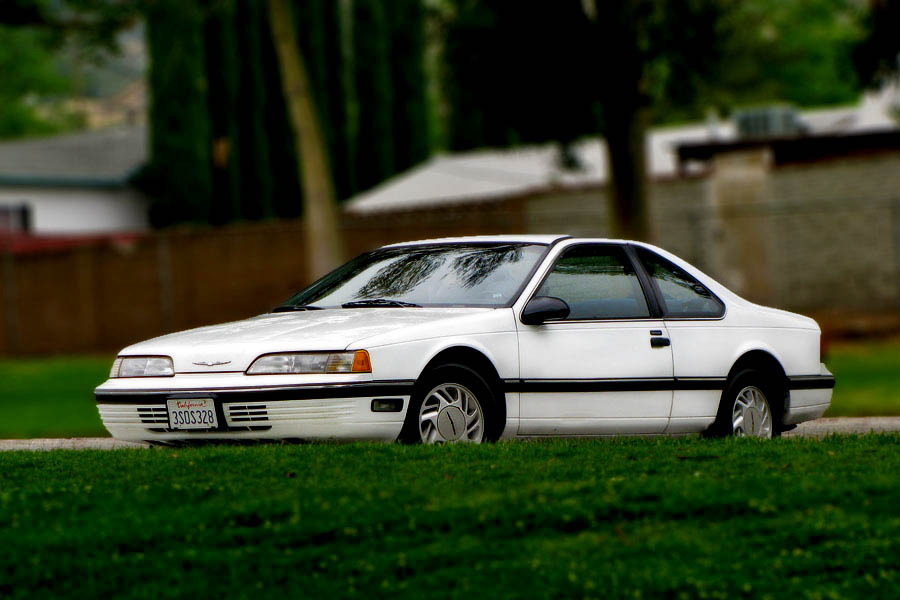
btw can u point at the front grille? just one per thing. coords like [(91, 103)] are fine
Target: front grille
[(153, 414), (244, 413)]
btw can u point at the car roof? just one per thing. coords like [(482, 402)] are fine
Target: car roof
[(482, 239), (522, 239)]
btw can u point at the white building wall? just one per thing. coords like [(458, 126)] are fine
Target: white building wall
[(80, 211)]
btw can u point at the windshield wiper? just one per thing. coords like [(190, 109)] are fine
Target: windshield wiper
[(295, 308), (377, 302)]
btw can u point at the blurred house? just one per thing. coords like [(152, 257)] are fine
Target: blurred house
[(797, 210), (491, 175), (73, 184)]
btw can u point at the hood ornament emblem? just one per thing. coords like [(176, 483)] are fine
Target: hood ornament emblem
[(212, 363)]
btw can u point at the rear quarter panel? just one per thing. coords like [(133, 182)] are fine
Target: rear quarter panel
[(710, 349)]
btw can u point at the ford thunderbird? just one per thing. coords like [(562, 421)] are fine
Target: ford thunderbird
[(477, 339)]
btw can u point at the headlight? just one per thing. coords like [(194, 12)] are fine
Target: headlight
[(142, 366), (311, 362)]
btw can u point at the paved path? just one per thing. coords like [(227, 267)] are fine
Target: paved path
[(823, 427), (817, 428)]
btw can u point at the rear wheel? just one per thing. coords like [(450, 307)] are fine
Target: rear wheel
[(452, 403), (746, 407), (751, 415)]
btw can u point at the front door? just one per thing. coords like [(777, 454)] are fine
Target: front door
[(598, 371)]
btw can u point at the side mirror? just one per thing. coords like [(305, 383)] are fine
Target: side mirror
[(544, 308)]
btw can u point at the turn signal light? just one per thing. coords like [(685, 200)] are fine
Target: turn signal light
[(361, 362)]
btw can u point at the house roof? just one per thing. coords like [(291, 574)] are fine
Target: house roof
[(786, 150), (99, 158), (494, 174)]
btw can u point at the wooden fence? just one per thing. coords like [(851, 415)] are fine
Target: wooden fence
[(106, 295)]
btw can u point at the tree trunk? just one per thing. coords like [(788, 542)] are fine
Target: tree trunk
[(626, 113), (626, 130), (323, 238)]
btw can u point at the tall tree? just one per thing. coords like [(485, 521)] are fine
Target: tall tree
[(222, 99), (410, 115), (323, 38), (257, 187), (518, 71), (877, 56), (372, 66), (648, 50), (179, 174), (324, 245)]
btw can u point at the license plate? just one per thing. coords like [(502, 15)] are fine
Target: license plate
[(193, 413)]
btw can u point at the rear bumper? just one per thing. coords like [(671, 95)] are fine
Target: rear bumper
[(810, 397), (341, 411)]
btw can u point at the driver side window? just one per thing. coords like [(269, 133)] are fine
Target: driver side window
[(597, 282)]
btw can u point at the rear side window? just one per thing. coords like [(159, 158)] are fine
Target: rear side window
[(597, 282), (682, 295)]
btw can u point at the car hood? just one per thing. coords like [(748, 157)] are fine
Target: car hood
[(235, 345)]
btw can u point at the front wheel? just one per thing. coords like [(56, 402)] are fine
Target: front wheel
[(450, 405)]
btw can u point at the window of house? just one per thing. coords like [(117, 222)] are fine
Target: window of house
[(14, 218)]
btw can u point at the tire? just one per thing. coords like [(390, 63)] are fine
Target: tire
[(461, 405), (746, 407)]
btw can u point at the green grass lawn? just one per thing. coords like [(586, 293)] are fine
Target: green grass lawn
[(867, 376), (54, 396), (51, 397), (628, 518)]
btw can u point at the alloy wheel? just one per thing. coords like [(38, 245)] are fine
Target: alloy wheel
[(751, 416), (451, 413)]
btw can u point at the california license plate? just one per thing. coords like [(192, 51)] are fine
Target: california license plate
[(192, 413)]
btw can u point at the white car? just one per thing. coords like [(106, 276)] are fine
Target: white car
[(476, 339)]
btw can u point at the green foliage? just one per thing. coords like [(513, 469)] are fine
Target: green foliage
[(47, 397), (92, 24), (283, 164), (776, 51), (675, 518), (375, 94), (256, 184), (877, 56), (323, 37), (222, 68), (30, 77), (519, 72), (179, 175), (410, 111)]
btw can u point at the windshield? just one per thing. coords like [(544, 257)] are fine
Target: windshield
[(434, 275)]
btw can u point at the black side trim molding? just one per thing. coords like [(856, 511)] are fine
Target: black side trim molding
[(811, 382), (262, 394), (659, 384)]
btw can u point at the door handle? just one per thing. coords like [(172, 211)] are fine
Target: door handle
[(659, 342)]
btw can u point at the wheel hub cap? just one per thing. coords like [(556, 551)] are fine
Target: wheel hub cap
[(451, 423)]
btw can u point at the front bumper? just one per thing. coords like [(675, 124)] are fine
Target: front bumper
[(259, 408)]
